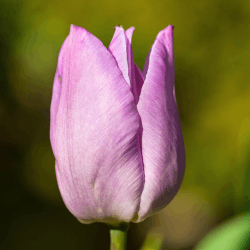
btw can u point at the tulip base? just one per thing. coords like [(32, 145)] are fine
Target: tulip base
[(118, 236)]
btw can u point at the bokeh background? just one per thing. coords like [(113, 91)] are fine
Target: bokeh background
[(212, 51)]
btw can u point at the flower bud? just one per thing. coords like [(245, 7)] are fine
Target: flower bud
[(115, 131)]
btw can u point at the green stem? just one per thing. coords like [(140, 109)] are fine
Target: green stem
[(118, 236)]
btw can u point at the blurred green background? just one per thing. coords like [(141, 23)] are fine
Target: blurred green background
[(212, 51)]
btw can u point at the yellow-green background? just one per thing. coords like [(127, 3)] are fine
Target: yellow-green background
[(212, 52)]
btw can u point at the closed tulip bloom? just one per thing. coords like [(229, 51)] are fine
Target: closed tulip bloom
[(115, 131)]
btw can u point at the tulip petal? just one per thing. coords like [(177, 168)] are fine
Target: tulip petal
[(121, 49), (136, 75), (162, 139), (118, 48), (57, 86), (98, 162)]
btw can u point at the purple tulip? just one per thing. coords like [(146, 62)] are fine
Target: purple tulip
[(115, 131)]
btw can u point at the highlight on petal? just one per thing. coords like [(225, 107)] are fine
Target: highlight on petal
[(95, 123), (162, 139)]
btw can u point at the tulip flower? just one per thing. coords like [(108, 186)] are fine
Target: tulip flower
[(115, 131)]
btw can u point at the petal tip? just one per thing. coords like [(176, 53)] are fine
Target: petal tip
[(131, 29), (73, 28), (118, 26), (129, 32), (166, 33), (169, 29), (77, 33)]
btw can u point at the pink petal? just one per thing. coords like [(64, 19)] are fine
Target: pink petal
[(162, 140), (118, 49), (57, 86), (95, 122), (136, 75), (121, 49)]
